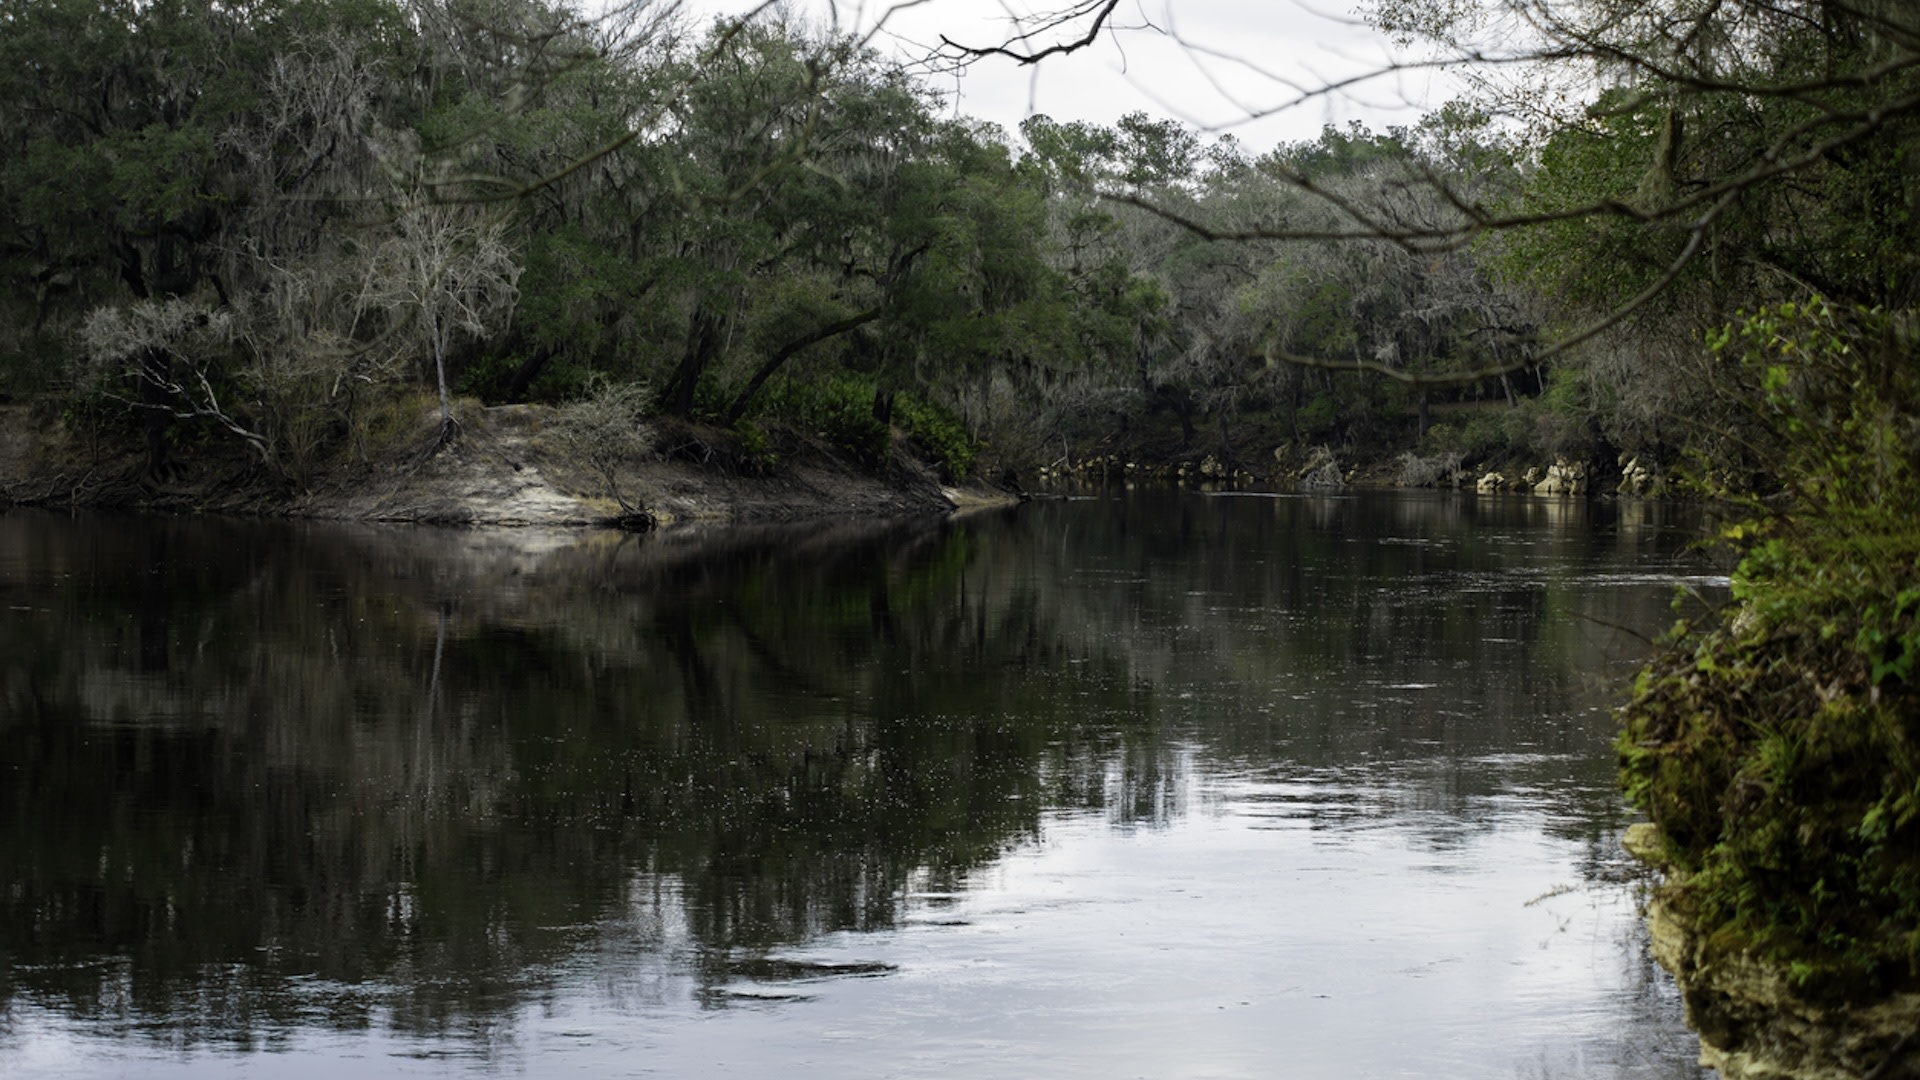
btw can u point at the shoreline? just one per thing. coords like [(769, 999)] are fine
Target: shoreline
[(500, 471)]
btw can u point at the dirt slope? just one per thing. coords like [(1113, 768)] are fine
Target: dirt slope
[(501, 469)]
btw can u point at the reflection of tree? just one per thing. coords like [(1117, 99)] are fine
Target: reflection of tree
[(1283, 647), (746, 739), (743, 725)]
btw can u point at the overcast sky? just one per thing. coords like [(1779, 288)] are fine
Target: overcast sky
[(1211, 63)]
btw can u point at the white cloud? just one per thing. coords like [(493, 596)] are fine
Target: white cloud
[(1239, 66)]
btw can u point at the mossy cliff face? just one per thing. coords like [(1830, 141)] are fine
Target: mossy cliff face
[(1778, 758), (1785, 780), (1754, 1024)]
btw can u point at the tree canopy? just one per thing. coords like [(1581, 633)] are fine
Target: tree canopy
[(230, 217)]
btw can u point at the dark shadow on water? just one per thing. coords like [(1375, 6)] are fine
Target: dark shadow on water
[(269, 777)]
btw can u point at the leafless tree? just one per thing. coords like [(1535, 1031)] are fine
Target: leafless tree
[(169, 349), (445, 271)]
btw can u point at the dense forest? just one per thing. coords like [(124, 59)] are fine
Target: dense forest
[(276, 225), (1674, 231)]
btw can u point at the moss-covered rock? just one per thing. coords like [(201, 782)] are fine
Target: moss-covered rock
[(1779, 755), (1777, 750), (1754, 1022)]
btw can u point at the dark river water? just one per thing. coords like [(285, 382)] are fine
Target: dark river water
[(1142, 786)]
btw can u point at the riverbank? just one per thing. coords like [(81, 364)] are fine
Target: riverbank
[(506, 465)]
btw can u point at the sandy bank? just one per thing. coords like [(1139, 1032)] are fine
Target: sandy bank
[(503, 468)]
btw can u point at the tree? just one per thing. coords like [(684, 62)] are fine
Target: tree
[(571, 134), (1769, 115), (186, 153), (445, 271), (744, 125), (113, 182), (171, 350)]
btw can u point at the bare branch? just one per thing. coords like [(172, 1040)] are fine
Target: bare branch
[(1101, 10)]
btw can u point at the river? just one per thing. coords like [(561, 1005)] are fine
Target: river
[(1152, 784)]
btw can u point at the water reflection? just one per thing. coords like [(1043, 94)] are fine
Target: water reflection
[(269, 784)]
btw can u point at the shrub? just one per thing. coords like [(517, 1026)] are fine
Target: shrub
[(604, 430), (1317, 417), (940, 433), (838, 409)]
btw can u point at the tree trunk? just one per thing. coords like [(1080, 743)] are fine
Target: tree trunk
[(703, 344), (156, 371), (523, 376), (440, 377), (786, 352)]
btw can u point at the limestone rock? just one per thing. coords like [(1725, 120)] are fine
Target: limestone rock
[(1563, 477), (1754, 1025), (1636, 478), (1322, 472)]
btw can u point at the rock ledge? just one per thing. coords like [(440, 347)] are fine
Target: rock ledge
[(1754, 1025)]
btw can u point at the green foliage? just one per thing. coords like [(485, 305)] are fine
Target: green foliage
[(1890, 639), (1832, 398), (1784, 772), (581, 301), (755, 444), (1317, 418), (1780, 753), (1481, 436), (839, 409), (940, 432), (1558, 422), (1590, 262), (1337, 153)]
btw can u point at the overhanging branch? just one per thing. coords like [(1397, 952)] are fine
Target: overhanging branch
[(1101, 10)]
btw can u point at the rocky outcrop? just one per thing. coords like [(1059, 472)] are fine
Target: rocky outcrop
[(1753, 1023), (1638, 478), (1563, 477), (1107, 468), (1322, 472)]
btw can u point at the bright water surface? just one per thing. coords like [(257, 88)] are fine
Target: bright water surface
[(1158, 786)]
